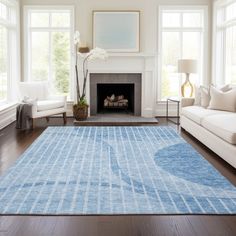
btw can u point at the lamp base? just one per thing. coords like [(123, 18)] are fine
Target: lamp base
[(187, 88)]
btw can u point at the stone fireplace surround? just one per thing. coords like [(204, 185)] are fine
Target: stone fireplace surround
[(115, 78)]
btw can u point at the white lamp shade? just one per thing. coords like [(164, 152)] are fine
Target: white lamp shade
[(187, 66)]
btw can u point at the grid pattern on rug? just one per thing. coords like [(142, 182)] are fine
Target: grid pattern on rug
[(114, 170)]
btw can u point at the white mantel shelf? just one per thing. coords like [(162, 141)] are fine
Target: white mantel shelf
[(125, 54), (140, 54)]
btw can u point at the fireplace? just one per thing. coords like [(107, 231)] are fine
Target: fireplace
[(115, 98), (115, 92)]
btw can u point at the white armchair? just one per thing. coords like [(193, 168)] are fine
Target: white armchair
[(44, 105)]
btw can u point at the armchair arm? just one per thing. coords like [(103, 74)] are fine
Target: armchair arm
[(34, 108), (186, 102)]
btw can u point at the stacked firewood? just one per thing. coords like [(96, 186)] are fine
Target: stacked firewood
[(116, 101)]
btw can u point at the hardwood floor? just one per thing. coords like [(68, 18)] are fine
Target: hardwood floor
[(14, 142)]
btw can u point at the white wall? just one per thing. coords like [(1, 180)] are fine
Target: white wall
[(148, 8), (149, 16)]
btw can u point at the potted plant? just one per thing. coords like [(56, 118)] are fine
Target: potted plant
[(80, 109)]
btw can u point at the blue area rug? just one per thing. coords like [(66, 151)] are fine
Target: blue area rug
[(114, 170)]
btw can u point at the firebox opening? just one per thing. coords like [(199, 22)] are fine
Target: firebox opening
[(115, 98)]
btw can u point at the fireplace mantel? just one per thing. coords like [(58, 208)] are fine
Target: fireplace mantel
[(143, 63)]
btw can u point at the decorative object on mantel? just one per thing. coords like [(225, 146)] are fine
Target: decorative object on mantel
[(187, 66), (117, 31), (84, 49), (80, 109)]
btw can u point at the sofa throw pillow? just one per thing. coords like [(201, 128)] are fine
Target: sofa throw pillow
[(225, 101), (205, 96), (197, 100), (224, 88)]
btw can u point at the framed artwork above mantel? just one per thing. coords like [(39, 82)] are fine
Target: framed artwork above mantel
[(117, 31)]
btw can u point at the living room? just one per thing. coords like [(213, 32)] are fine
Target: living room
[(117, 117)]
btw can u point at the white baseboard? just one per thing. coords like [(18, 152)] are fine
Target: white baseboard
[(7, 121)]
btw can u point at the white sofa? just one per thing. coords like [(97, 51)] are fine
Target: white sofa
[(215, 129), (44, 104)]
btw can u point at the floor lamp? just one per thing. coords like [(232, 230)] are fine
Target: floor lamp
[(188, 67)]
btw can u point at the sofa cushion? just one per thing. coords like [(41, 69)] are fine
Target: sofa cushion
[(202, 94), (49, 105), (197, 113), (222, 125), (225, 101)]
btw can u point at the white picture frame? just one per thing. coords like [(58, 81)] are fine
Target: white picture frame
[(116, 31)]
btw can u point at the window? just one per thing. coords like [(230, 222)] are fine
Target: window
[(49, 47), (9, 63), (181, 36), (224, 57)]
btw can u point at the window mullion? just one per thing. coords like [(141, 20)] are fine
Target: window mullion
[(9, 65), (50, 52), (224, 48), (181, 49), (30, 35), (181, 57), (201, 57)]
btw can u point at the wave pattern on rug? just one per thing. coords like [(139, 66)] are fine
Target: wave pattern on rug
[(114, 170)]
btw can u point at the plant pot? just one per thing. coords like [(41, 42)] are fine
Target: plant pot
[(80, 112)]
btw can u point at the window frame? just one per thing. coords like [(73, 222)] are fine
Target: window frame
[(220, 30), (13, 51), (204, 30), (27, 39)]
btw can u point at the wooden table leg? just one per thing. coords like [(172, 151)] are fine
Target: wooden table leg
[(64, 118), (33, 123)]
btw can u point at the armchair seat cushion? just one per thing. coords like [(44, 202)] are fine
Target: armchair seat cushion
[(49, 105)]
